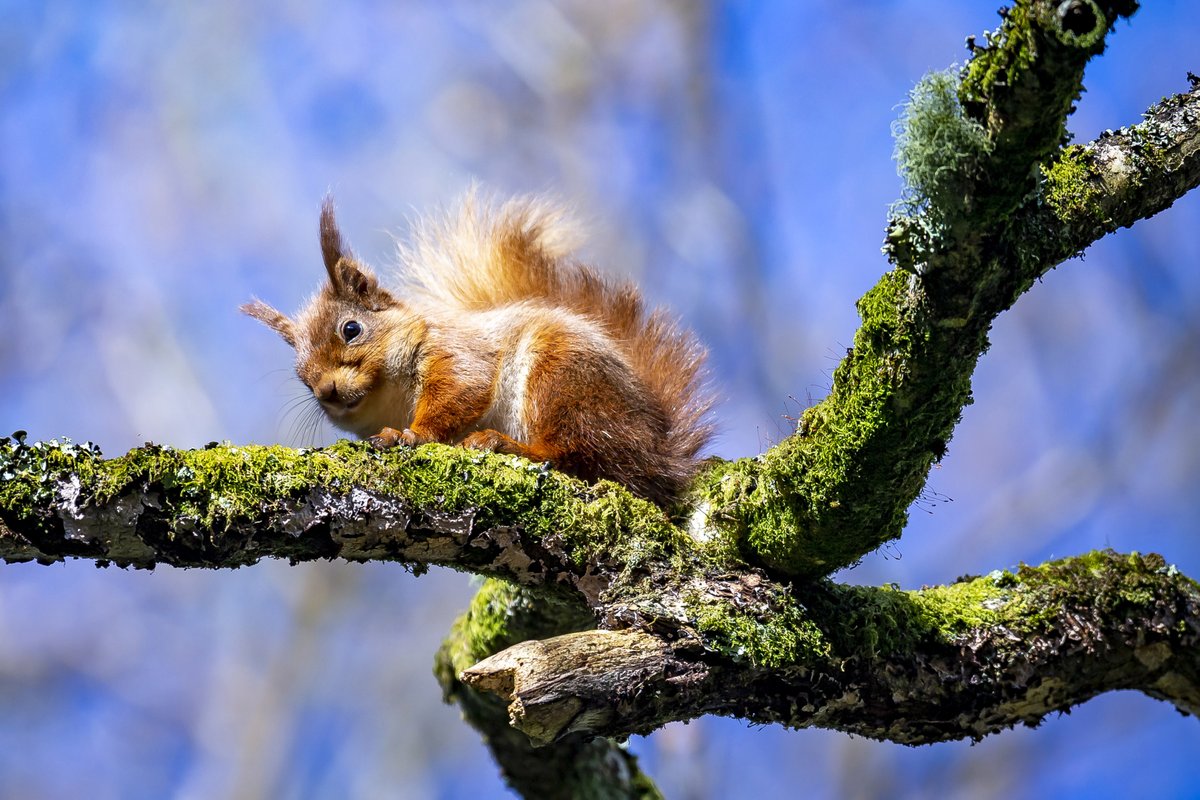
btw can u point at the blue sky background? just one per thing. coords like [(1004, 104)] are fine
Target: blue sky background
[(160, 163)]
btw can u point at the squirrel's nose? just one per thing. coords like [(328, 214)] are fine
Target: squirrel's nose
[(326, 391)]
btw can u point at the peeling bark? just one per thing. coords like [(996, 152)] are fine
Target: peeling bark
[(500, 616)]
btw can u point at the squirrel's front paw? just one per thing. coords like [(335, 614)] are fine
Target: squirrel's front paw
[(388, 438)]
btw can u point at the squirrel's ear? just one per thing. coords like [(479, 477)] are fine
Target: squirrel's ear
[(349, 279), (273, 319), (358, 284), (354, 281)]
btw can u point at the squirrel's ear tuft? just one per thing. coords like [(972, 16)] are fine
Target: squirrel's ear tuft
[(332, 247), (273, 319), (333, 250)]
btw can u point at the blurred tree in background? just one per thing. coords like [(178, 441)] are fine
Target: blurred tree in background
[(162, 163)]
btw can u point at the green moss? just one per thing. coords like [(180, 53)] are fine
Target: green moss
[(841, 486), (1071, 187), (717, 499), (610, 526), (866, 622), (955, 609), (219, 484), (1083, 39), (209, 489), (1119, 584), (787, 637), (1006, 54), (484, 628)]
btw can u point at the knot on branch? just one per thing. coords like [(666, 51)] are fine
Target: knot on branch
[(1080, 23)]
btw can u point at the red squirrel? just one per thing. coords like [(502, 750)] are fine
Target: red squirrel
[(503, 341)]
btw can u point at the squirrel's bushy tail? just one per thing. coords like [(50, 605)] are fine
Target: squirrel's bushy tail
[(485, 255)]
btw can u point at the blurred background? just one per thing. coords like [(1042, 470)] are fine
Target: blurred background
[(161, 163)]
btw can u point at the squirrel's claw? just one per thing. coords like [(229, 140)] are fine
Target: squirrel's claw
[(388, 438)]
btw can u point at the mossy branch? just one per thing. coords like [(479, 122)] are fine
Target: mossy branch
[(712, 634), (950, 662), (1124, 176), (993, 203), (229, 506)]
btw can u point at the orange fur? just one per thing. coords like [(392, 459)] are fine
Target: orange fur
[(505, 343)]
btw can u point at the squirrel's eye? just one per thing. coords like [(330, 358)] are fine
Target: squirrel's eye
[(351, 330)]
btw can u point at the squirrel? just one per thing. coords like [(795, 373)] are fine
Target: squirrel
[(503, 341)]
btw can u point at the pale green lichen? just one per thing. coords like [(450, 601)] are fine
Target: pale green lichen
[(1155, 143), (938, 147)]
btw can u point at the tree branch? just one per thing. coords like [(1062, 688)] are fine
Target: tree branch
[(952, 662), (840, 486), (977, 228), (706, 633), (228, 506), (1124, 176)]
